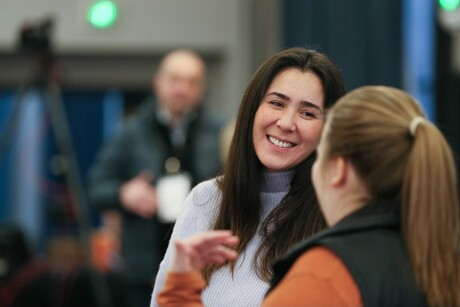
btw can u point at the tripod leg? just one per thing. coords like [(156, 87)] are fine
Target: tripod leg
[(62, 133)]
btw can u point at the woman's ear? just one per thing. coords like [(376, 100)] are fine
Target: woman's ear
[(339, 171)]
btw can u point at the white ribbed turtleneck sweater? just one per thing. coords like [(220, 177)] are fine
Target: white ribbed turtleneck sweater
[(200, 209)]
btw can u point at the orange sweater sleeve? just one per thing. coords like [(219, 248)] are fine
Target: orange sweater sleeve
[(182, 290), (318, 278)]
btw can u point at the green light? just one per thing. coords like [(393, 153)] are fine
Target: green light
[(102, 14), (449, 5)]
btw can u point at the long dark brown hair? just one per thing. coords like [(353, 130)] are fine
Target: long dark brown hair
[(371, 127), (298, 215)]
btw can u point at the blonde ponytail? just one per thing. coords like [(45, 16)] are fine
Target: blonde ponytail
[(430, 215)]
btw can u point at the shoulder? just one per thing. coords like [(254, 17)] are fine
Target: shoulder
[(313, 262), (131, 128), (206, 193), (211, 119), (199, 210), (318, 277), (142, 117)]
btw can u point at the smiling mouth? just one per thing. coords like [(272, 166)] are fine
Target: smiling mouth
[(279, 143)]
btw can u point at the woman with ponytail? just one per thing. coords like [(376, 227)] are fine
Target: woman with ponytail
[(386, 183)]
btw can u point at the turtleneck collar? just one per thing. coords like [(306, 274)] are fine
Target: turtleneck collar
[(275, 182)]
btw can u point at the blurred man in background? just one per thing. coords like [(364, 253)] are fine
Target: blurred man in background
[(148, 168)]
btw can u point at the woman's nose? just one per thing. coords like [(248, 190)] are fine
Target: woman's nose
[(286, 122)]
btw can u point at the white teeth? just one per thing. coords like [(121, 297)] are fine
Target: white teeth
[(279, 143)]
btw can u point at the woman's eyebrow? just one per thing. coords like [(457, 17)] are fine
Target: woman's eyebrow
[(280, 95), (303, 102), (312, 105)]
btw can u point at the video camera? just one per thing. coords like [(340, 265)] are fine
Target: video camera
[(36, 37)]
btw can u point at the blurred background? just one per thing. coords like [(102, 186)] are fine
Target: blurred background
[(102, 55)]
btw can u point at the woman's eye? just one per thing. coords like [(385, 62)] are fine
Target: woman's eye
[(309, 114), (276, 103)]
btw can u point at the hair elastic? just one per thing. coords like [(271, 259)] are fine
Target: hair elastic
[(414, 124)]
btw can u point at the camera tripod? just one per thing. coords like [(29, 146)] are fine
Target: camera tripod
[(46, 82)]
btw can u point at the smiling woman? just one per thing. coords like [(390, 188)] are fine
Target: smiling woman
[(265, 195), (288, 124)]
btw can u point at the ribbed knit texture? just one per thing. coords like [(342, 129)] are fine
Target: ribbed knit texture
[(200, 209)]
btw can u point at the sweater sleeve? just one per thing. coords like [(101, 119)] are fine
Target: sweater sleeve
[(318, 278), (199, 209), (182, 290)]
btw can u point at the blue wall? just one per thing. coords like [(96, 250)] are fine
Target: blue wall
[(362, 36), (376, 42), (86, 112)]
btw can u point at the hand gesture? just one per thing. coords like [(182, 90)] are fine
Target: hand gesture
[(200, 250), (139, 196)]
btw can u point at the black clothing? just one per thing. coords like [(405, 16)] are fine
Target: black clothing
[(371, 245), (144, 144)]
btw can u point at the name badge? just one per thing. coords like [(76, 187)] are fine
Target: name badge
[(171, 192)]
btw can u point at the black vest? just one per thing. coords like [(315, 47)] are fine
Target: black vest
[(370, 243)]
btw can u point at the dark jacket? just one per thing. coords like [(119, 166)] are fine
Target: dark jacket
[(144, 143), (370, 243)]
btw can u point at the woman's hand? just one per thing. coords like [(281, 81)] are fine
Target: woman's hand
[(200, 250)]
